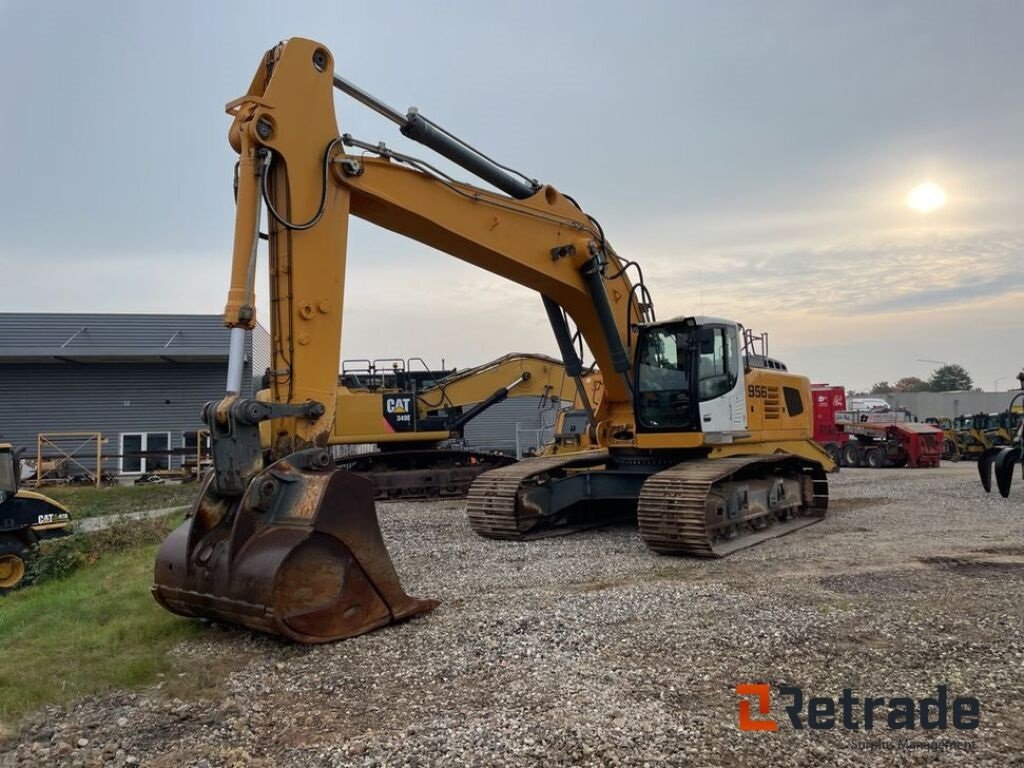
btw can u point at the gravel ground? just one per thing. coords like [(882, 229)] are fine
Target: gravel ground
[(589, 650)]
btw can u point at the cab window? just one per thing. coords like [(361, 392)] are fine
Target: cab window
[(719, 362)]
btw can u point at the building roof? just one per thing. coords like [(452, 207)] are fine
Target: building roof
[(84, 337)]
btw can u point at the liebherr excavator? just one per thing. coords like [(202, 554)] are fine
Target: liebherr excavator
[(705, 442)]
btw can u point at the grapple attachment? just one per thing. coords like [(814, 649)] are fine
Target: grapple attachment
[(1003, 459), (300, 555)]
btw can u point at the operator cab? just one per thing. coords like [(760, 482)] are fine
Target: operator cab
[(688, 376)]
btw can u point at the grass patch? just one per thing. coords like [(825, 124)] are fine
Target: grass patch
[(58, 558), (95, 629), (90, 501)]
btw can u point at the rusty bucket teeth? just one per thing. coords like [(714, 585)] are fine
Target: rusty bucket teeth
[(300, 555)]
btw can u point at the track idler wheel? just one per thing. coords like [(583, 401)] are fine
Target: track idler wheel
[(299, 555)]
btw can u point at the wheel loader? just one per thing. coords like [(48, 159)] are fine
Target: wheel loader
[(1000, 428), (26, 518), (972, 436), (952, 450), (700, 440)]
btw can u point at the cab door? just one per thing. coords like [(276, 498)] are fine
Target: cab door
[(721, 397)]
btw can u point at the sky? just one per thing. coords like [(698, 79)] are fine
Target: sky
[(754, 157)]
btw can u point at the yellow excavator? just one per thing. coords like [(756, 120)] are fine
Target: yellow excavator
[(383, 402), (700, 437), (26, 518)]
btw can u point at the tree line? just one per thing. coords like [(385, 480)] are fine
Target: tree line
[(946, 378)]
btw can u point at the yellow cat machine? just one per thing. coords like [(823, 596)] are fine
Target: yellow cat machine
[(381, 403), (951, 447), (972, 435), (1001, 428), (26, 518), (700, 438)]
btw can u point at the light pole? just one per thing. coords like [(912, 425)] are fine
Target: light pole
[(936, 362)]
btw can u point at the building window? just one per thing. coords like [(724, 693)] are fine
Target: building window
[(133, 444)]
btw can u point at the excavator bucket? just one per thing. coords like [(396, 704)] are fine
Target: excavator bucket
[(299, 555)]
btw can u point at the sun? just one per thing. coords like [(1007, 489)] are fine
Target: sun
[(926, 197)]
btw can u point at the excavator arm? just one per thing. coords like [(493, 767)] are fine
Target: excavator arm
[(294, 160)]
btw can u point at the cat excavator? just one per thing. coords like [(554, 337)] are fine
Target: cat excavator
[(702, 440), (413, 425)]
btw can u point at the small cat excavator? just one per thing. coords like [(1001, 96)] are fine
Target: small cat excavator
[(700, 438)]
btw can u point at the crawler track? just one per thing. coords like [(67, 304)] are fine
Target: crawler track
[(677, 509), (675, 517), (492, 502)]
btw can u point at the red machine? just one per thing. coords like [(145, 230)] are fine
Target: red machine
[(828, 401), (872, 438)]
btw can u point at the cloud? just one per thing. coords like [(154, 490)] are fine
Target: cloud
[(887, 275)]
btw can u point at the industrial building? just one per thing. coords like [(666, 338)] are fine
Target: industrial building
[(948, 405), (514, 426), (141, 380)]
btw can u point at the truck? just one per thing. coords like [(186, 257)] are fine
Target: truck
[(872, 438)]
